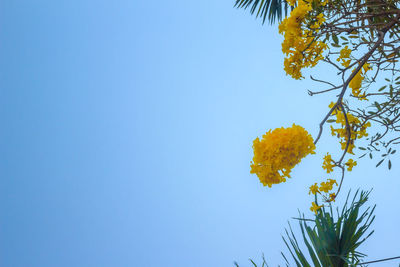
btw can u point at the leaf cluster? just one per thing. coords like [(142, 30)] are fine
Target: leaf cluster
[(332, 238), (333, 242), (271, 10)]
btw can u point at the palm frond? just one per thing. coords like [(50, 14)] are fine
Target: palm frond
[(333, 242), (270, 10)]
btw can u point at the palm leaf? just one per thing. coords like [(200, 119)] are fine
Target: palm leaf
[(270, 10), (333, 242)]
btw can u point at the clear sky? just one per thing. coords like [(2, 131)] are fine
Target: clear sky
[(126, 137)]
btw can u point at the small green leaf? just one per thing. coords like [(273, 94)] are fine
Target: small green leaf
[(335, 38), (327, 36), (253, 262), (380, 162), (383, 87), (377, 105), (389, 164), (361, 148)]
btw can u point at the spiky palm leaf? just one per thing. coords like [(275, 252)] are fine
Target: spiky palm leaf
[(270, 10), (330, 242)]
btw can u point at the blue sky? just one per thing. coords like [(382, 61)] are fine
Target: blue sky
[(127, 133)]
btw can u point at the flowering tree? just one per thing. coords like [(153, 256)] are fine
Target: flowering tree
[(360, 41)]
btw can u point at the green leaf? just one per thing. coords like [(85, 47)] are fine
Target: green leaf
[(335, 38), (333, 242), (389, 164), (391, 91), (380, 162), (270, 10), (383, 87)]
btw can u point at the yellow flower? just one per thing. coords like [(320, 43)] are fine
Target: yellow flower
[(350, 163), (349, 148), (327, 164), (357, 129), (344, 56), (278, 152), (332, 197), (327, 186), (313, 189), (314, 208), (356, 82), (299, 45)]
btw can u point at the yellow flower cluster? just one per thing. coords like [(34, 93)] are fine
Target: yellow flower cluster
[(300, 46), (356, 82), (327, 164), (344, 56), (314, 189), (327, 186), (278, 152), (350, 164), (357, 130), (314, 208), (323, 187)]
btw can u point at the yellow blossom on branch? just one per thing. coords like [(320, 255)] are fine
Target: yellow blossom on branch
[(332, 197), (356, 128), (344, 56), (350, 163), (314, 208), (327, 164), (278, 152), (314, 189), (356, 83), (300, 46), (327, 186)]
